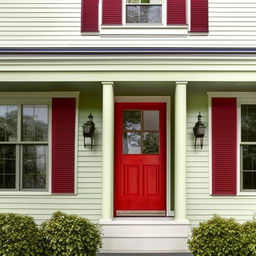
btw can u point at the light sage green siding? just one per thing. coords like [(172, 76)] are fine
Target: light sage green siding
[(87, 202), (200, 204)]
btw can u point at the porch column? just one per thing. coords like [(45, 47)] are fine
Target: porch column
[(108, 150), (180, 149)]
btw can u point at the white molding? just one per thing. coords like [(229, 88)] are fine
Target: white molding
[(76, 146), (232, 94), (210, 141), (167, 100), (38, 95), (245, 100)]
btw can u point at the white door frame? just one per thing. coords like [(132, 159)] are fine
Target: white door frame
[(167, 100)]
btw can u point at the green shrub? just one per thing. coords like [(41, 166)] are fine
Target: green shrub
[(216, 237), (70, 235), (19, 236), (249, 238)]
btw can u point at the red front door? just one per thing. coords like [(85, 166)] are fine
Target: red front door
[(140, 159)]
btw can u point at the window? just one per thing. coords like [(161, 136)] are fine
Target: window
[(141, 132), (24, 147), (248, 147), (143, 11)]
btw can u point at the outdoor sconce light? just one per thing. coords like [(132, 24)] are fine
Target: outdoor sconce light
[(88, 131), (199, 130)]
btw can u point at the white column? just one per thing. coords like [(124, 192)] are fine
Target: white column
[(180, 149), (108, 150)]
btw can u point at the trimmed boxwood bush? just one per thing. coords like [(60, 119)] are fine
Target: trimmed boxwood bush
[(70, 235), (216, 237), (19, 236), (249, 238)]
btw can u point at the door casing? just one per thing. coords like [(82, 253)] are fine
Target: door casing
[(167, 100)]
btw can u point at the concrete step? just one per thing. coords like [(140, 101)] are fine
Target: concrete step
[(145, 235)]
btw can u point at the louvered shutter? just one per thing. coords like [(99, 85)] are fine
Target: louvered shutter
[(224, 146), (176, 12), (90, 16), (63, 145), (112, 12), (199, 16)]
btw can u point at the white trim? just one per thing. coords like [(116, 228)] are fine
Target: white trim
[(232, 94), (240, 101), (76, 146), (38, 95), (210, 141), (167, 100), (188, 14)]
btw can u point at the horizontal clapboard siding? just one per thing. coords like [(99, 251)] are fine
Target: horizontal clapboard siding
[(48, 23), (87, 202), (201, 206)]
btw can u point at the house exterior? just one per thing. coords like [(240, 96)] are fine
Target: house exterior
[(144, 69)]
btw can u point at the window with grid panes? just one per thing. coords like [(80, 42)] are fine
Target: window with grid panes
[(24, 147), (143, 11)]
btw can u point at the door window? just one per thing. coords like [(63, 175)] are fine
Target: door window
[(141, 132)]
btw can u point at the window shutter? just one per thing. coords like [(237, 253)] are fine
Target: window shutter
[(90, 16), (224, 146), (63, 144), (176, 12), (199, 15), (112, 12)]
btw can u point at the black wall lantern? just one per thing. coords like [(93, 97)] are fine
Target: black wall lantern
[(88, 131), (199, 130)]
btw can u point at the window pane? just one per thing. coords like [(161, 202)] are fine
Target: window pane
[(7, 166), (8, 123), (249, 166), (143, 13), (34, 122), (151, 120), (248, 122), (132, 120), (133, 14), (150, 143), (131, 143), (35, 158)]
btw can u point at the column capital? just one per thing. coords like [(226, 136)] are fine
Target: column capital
[(181, 82), (107, 83)]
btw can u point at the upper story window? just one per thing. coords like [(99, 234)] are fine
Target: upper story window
[(143, 11)]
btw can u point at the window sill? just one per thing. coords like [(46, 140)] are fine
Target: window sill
[(25, 193), (145, 26), (144, 31)]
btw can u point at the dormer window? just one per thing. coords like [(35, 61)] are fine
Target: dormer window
[(144, 11)]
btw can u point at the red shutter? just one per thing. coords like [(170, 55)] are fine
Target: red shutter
[(90, 16), (112, 12), (176, 12), (224, 146), (63, 144), (199, 15)]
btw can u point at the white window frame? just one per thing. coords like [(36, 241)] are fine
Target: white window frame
[(41, 98), (246, 98), (163, 18)]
